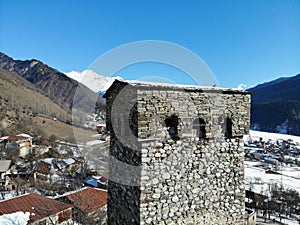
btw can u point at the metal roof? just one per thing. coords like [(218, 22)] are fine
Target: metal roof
[(39, 206), (89, 200), (91, 181), (14, 138)]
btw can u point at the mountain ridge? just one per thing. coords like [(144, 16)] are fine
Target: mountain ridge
[(276, 106), (66, 92)]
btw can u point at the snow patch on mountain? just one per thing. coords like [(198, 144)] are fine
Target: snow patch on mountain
[(95, 82), (241, 87), (33, 63)]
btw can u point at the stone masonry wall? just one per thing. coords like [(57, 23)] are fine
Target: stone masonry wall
[(188, 173), (125, 157)]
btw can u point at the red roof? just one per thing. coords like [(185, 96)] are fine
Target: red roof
[(15, 138), (39, 206), (89, 200)]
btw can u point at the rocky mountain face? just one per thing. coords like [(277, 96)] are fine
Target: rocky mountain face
[(276, 106), (64, 91)]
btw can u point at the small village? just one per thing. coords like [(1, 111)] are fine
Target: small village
[(150, 112), (272, 165), (66, 183), (273, 152), (69, 183), (53, 181)]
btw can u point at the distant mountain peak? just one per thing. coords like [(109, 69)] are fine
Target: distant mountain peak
[(60, 88), (91, 79)]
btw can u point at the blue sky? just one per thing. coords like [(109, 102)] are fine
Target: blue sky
[(246, 42)]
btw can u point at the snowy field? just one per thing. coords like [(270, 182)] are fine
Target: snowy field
[(255, 174), (255, 135), (290, 178)]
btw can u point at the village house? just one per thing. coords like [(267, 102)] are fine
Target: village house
[(68, 165), (42, 210), (89, 205), (41, 171), (250, 217), (17, 176), (4, 167), (96, 181), (40, 149), (21, 142), (91, 181), (101, 128), (103, 182)]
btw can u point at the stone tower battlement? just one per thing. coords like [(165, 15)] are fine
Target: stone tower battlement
[(176, 153)]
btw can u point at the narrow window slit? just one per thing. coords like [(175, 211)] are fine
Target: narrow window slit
[(172, 123), (199, 125)]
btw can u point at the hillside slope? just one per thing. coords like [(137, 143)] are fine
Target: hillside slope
[(276, 106), (20, 101), (63, 90)]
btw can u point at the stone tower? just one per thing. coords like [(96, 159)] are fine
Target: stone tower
[(176, 154)]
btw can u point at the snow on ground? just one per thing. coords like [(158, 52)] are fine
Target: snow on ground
[(17, 218), (255, 135), (291, 172), (290, 178), (286, 221), (255, 174), (95, 142)]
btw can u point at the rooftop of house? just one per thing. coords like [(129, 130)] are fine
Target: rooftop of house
[(16, 137), (88, 200), (169, 86), (37, 205), (91, 181), (69, 161), (13, 138), (24, 135)]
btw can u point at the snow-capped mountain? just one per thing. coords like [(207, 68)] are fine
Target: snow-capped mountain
[(96, 82), (47, 80)]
